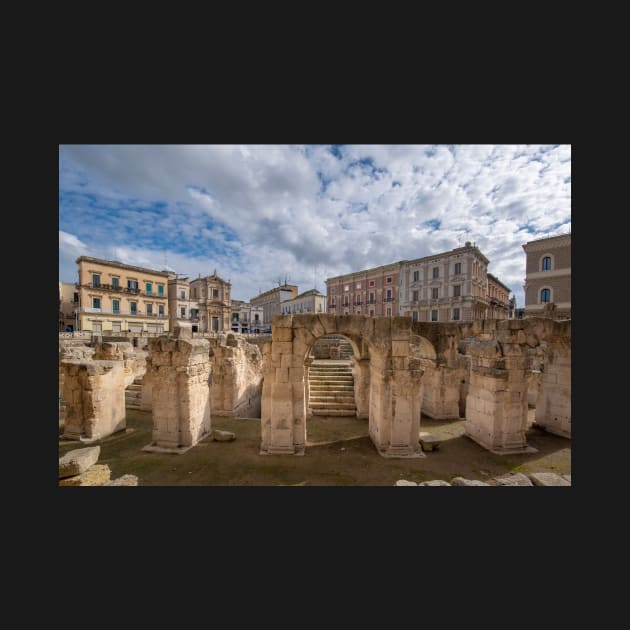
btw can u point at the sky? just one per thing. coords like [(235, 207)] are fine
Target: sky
[(261, 213)]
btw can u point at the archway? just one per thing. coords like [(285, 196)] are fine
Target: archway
[(391, 377)]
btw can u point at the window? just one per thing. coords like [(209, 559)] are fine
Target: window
[(182, 312), (389, 311), (96, 302), (371, 283), (456, 314), (434, 316), (132, 284), (389, 295), (115, 282), (416, 276), (414, 316), (75, 297), (333, 289), (149, 287), (116, 306), (546, 263), (256, 317), (458, 269), (371, 298), (346, 300), (160, 289), (235, 316), (457, 290), (358, 285), (161, 310), (215, 293), (215, 324), (388, 280), (436, 272), (415, 296), (194, 313), (347, 287), (545, 296), (194, 292), (358, 299), (96, 279), (434, 293), (133, 306), (149, 309), (182, 295)]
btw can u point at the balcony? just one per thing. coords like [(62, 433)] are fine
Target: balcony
[(120, 289), (108, 311)]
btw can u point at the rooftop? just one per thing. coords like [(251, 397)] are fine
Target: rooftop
[(115, 263)]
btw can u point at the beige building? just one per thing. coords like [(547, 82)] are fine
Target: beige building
[(548, 276), (213, 303), (115, 297), (499, 298), (372, 292), (246, 318), (68, 302), (181, 308), (311, 301), (271, 300)]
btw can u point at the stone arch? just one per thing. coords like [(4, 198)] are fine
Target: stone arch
[(395, 364)]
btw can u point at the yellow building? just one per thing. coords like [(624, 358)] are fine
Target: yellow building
[(114, 297)]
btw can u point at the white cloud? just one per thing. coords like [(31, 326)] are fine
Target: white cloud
[(257, 212)]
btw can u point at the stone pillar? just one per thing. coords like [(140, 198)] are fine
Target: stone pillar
[(496, 406), (441, 392), (94, 392), (362, 387), (283, 410), (179, 372), (553, 406)]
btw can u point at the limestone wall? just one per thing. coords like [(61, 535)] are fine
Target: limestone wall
[(237, 375), (553, 405), (94, 392)]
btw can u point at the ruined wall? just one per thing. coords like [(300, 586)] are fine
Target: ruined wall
[(237, 375), (553, 405), (179, 372), (134, 359), (94, 392)]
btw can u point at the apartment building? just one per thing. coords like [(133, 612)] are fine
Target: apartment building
[(68, 302), (270, 302), (212, 303), (311, 301), (372, 292), (246, 318), (548, 277), (115, 297), (498, 298)]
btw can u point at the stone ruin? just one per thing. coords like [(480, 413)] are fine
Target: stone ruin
[(479, 370), (487, 371)]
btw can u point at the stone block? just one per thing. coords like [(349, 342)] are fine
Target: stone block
[(513, 479), (77, 461), (125, 480), (223, 436), (282, 334), (404, 482), (462, 481), (435, 482), (96, 475), (547, 479)]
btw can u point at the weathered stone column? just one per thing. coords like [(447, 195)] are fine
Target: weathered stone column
[(283, 410), (94, 392), (179, 373), (496, 406), (553, 406)]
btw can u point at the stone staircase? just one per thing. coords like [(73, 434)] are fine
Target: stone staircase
[(331, 390), (340, 348), (133, 394)]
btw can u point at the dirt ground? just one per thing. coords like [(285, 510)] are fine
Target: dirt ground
[(339, 453)]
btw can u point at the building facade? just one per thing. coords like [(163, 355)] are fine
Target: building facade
[(68, 302), (270, 302), (181, 307), (311, 301), (499, 298), (212, 303), (372, 292), (548, 277), (246, 318), (115, 297)]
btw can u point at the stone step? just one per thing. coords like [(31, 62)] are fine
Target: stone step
[(329, 372), (334, 378), (138, 380), (332, 405), (336, 398), (334, 412), (331, 388), (134, 388)]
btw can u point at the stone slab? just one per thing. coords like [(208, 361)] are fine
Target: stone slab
[(96, 475), (513, 479), (547, 479), (404, 482), (223, 436), (77, 461), (435, 482), (462, 481)]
